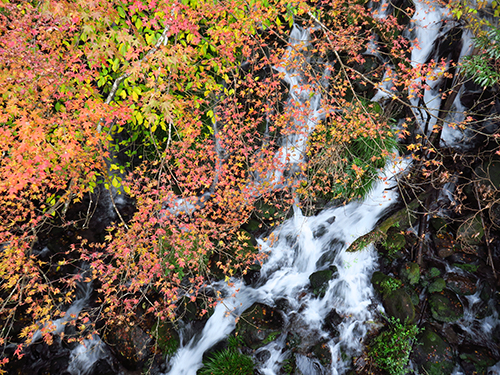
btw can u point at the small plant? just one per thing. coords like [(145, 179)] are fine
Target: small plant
[(228, 362), (271, 337), (391, 349), (390, 284)]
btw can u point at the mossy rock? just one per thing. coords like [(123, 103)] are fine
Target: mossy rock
[(378, 280), (410, 272), (471, 231), (438, 224), (433, 272), (259, 325), (399, 305), (489, 173), (432, 354), (413, 295), (475, 360), (319, 281), (446, 307), (166, 337), (437, 286), (394, 242), (461, 284)]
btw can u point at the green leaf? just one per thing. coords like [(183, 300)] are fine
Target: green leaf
[(121, 12), (116, 64), (115, 182)]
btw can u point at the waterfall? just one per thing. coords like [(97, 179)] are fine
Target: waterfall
[(297, 251)]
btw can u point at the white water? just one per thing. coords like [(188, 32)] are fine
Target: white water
[(57, 326), (426, 27), (293, 256)]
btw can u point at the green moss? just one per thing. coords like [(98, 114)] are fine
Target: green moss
[(411, 273), (166, 337), (467, 267), (437, 286)]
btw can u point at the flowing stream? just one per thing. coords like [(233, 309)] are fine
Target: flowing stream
[(301, 246)]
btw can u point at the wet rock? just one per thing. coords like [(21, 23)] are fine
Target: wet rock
[(321, 351), (330, 251), (332, 321), (410, 272), (102, 367), (263, 356), (486, 292), (259, 325), (319, 281), (471, 231), (437, 286), (399, 305), (445, 245), (475, 360), (432, 354), (252, 275), (461, 284), (130, 344), (463, 258), (445, 306), (320, 231)]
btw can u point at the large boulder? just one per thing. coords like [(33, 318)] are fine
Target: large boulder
[(461, 284), (130, 345), (396, 301), (475, 360), (446, 307), (432, 354)]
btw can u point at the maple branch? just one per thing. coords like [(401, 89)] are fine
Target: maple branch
[(163, 39)]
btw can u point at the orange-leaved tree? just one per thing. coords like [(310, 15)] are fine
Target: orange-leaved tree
[(196, 110)]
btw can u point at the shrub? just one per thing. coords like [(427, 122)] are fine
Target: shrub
[(391, 349), (228, 362)]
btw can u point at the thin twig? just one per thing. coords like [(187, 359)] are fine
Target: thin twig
[(486, 234)]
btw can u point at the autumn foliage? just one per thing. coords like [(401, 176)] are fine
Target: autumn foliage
[(163, 100)]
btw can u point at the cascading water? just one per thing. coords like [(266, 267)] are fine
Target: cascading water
[(301, 246)]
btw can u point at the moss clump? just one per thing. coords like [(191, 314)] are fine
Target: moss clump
[(166, 337), (437, 286)]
